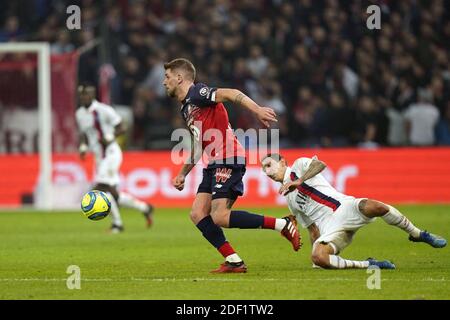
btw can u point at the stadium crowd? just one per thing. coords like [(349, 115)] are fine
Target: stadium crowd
[(332, 81)]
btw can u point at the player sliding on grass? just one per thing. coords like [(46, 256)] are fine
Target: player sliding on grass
[(204, 113), (331, 217), (99, 125)]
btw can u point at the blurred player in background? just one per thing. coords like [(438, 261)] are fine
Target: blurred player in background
[(331, 217), (99, 125), (203, 110)]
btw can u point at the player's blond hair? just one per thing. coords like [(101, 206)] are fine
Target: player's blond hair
[(182, 64)]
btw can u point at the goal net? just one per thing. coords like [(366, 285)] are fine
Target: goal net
[(37, 106)]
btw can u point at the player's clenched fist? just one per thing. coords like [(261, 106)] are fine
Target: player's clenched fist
[(178, 182)]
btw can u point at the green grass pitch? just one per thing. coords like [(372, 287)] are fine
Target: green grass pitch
[(172, 260)]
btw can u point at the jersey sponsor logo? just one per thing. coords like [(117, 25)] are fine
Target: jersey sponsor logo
[(223, 174)]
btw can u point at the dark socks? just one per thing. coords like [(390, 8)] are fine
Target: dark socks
[(247, 220)]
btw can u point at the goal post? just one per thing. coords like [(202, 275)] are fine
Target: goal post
[(43, 198)]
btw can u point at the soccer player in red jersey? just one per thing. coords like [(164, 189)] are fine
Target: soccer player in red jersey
[(207, 119)]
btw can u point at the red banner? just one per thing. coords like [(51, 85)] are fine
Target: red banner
[(389, 175), (18, 98)]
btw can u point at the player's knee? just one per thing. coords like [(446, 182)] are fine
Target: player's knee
[(220, 218), (101, 187), (107, 188), (378, 208), (196, 216), (320, 259)]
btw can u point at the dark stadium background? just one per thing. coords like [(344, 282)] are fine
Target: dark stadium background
[(332, 81)]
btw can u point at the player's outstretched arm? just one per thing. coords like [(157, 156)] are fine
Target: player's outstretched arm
[(265, 115), (315, 168)]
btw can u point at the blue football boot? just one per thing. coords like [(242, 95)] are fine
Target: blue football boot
[(385, 264), (432, 239)]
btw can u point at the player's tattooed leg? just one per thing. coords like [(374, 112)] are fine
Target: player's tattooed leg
[(372, 208)]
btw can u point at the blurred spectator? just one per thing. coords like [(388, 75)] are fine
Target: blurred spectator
[(318, 55), (340, 122), (11, 29), (140, 120), (272, 98), (89, 61), (62, 44), (443, 129), (370, 131), (132, 74), (421, 119), (257, 63), (156, 72), (396, 134)]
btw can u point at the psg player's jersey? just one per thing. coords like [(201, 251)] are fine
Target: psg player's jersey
[(208, 122)]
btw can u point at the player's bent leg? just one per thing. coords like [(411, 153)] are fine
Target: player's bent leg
[(107, 189), (225, 217), (327, 247), (214, 234), (321, 255), (394, 217), (201, 207), (111, 191), (372, 209), (128, 201), (324, 256), (220, 211)]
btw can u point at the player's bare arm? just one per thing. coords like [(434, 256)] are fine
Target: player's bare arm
[(315, 168), (119, 129), (314, 233), (83, 146), (264, 114), (191, 161)]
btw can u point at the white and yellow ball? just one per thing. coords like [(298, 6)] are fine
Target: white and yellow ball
[(95, 205)]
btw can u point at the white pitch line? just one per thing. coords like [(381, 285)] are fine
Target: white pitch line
[(211, 280)]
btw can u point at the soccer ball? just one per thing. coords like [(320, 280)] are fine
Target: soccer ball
[(95, 205)]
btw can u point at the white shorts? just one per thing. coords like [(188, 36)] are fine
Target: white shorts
[(338, 230), (107, 167)]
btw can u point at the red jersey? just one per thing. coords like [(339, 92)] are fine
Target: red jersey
[(208, 122)]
